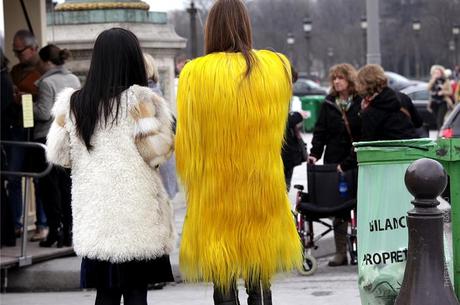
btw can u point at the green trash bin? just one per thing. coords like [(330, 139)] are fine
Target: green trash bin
[(311, 104), (383, 203)]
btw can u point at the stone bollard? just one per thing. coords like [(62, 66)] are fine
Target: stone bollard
[(426, 279)]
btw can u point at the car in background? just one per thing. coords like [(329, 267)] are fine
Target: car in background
[(420, 97), (304, 86), (451, 127), (398, 82)]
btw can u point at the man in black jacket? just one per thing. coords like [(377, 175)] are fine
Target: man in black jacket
[(294, 150)]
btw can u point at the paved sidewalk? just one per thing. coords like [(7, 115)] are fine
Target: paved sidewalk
[(327, 287)]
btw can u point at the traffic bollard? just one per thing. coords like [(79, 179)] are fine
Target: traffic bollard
[(426, 279)]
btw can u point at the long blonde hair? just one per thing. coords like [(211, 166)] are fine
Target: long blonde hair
[(151, 68)]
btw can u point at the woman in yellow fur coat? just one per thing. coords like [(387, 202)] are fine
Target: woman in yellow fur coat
[(232, 111)]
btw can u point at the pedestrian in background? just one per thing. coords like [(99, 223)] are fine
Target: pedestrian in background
[(408, 108), (7, 224), (457, 93), (54, 187), (114, 134), (294, 150), (381, 114), (167, 169), (239, 222), (24, 75), (338, 125), (440, 93)]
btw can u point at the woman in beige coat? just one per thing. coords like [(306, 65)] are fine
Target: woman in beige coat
[(440, 91)]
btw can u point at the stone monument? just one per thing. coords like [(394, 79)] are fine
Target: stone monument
[(75, 25)]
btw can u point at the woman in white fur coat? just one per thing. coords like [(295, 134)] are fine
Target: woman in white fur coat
[(114, 134)]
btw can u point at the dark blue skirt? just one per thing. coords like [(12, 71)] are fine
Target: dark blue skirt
[(131, 274)]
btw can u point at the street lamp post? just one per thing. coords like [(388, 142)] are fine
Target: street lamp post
[(456, 33), (364, 30), (330, 55), (416, 26), (307, 26), (373, 32), (452, 49), (290, 42), (193, 44)]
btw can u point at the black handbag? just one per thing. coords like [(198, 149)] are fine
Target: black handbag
[(301, 143)]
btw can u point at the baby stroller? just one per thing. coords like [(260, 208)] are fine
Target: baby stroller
[(323, 200)]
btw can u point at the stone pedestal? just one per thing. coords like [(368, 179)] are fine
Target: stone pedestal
[(75, 24)]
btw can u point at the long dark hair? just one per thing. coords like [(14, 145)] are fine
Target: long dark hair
[(228, 29), (53, 54), (116, 64)]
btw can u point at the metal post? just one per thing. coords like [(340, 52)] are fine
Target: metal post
[(426, 278), (456, 33), (193, 43), (364, 30), (290, 42), (452, 49), (373, 32), (330, 55), (25, 260), (417, 56), (307, 27), (307, 39), (416, 26), (456, 51)]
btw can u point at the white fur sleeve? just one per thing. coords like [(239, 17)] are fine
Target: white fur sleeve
[(152, 130), (58, 139)]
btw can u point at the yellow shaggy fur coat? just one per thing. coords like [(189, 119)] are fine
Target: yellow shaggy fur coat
[(228, 149)]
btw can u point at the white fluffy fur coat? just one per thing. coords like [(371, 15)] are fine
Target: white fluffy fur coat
[(120, 209)]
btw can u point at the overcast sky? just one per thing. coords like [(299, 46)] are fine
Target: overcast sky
[(166, 5), (161, 5)]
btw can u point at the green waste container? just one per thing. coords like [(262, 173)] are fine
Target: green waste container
[(311, 104), (383, 203)]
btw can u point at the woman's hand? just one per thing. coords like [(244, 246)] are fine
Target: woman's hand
[(428, 107), (365, 103), (339, 169), (311, 160)]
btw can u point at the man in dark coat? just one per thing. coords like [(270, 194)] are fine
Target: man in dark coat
[(294, 150), (8, 237)]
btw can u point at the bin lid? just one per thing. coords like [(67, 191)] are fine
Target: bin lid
[(402, 151), (312, 98)]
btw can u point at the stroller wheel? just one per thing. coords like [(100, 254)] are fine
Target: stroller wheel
[(309, 265)]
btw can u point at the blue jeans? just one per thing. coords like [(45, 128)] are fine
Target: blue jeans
[(42, 221), (16, 162), (16, 157)]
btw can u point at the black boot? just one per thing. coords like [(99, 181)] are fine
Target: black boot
[(228, 298), (258, 294), (67, 239), (54, 236)]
